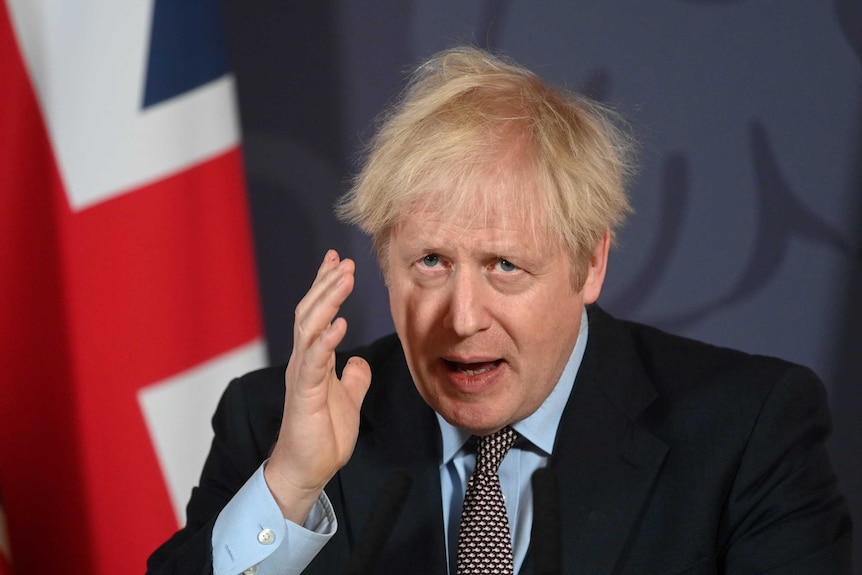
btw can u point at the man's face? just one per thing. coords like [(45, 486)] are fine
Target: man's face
[(486, 312)]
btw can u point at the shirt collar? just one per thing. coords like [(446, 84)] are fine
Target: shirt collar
[(540, 427)]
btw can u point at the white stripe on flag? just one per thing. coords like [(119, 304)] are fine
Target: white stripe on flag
[(87, 61), (178, 412)]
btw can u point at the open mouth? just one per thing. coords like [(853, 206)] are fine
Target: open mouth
[(472, 369)]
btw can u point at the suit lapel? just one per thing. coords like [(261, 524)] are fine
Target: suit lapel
[(399, 432), (606, 463)]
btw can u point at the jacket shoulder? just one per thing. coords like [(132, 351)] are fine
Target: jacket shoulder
[(675, 363)]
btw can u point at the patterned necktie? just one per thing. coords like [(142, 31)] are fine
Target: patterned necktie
[(484, 542)]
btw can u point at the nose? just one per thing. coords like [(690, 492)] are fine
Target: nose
[(469, 301)]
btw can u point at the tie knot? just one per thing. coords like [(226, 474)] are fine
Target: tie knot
[(493, 448)]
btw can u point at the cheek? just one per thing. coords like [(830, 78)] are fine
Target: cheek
[(545, 315), (546, 331), (412, 313)]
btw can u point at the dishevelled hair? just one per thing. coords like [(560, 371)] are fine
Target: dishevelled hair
[(472, 129)]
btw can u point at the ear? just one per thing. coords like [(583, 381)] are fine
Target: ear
[(597, 268)]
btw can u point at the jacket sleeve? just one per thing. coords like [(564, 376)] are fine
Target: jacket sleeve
[(784, 514), (237, 450)]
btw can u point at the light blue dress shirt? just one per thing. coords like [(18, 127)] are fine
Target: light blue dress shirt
[(251, 536), (536, 435)]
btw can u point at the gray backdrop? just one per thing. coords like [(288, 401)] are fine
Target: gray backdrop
[(748, 230)]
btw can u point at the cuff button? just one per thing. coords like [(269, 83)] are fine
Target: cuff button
[(266, 537)]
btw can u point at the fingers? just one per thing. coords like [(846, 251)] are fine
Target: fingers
[(315, 315), (356, 379), (321, 413), (330, 260), (329, 272)]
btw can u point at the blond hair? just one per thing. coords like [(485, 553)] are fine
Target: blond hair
[(471, 121)]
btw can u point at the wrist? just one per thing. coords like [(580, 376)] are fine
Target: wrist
[(295, 502)]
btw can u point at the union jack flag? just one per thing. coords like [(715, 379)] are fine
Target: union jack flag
[(128, 294)]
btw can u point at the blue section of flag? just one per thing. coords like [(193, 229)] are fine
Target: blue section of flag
[(187, 48)]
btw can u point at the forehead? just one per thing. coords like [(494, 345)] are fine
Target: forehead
[(499, 193), (503, 228)]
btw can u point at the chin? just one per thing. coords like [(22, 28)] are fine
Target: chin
[(475, 420)]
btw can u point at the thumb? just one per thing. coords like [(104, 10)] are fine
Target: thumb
[(356, 379)]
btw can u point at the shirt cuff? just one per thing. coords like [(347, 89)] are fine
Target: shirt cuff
[(251, 535)]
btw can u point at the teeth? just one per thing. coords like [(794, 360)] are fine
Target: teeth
[(474, 371)]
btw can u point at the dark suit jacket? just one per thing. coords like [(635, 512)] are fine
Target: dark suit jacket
[(673, 456)]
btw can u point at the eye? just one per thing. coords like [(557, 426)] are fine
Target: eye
[(431, 260), (506, 265)]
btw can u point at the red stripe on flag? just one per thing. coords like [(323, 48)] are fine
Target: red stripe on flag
[(5, 565), (158, 281), (161, 278), (40, 473)]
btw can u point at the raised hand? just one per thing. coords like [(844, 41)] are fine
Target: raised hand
[(321, 412)]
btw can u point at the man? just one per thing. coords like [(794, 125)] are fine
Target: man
[(492, 198)]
